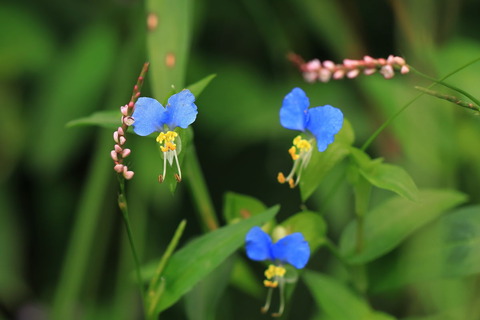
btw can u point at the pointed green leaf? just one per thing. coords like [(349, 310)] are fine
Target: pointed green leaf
[(238, 207), (110, 119), (197, 259), (337, 301), (385, 176), (322, 162), (198, 87), (386, 226)]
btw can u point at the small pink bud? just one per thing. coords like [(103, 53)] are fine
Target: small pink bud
[(339, 74), (399, 61), (382, 61), (310, 76), (118, 168), (122, 140), (324, 75), (113, 154), (137, 94), (313, 65), (127, 174), (369, 60), (350, 64), (405, 69), (128, 121), (126, 152), (390, 59), (135, 88), (118, 149), (115, 136), (353, 73), (369, 71), (124, 110), (120, 131), (131, 104), (329, 65), (387, 71)]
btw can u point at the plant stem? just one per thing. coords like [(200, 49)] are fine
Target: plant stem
[(396, 114), (122, 204), (199, 191)]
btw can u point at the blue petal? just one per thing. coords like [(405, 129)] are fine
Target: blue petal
[(149, 116), (293, 114), (292, 249), (258, 245), (181, 111), (324, 122)]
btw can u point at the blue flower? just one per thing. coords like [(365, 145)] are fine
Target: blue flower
[(292, 249), (150, 116), (323, 123)]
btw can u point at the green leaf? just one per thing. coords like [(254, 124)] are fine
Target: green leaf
[(197, 259), (168, 41), (201, 302), (385, 176), (110, 119), (244, 279), (238, 207), (198, 87), (386, 226), (322, 162), (337, 301), (310, 224)]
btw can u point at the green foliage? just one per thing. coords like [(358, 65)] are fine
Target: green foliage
[(310, 224), (391, 222)]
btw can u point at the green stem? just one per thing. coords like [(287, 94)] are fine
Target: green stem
[(122, 204), (360, 232), (395, 115), (457, 101), (199, 191), (466, 94)]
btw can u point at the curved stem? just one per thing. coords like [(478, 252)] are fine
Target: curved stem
[(395, 115)]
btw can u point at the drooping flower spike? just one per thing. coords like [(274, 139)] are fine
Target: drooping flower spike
[(150, 116), (321, 123), (292, 249)]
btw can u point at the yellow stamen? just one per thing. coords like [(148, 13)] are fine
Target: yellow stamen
[(293, 153), (281, 177), (291, 183), (270, 272), (270, 284)]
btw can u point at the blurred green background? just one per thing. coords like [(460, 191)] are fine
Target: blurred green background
[(61, 60)]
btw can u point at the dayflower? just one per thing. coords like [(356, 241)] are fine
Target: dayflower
[(150, 116), (291, 249), (320, 125)]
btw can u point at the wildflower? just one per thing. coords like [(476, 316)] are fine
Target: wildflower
[(292, 249), (321, 122), (150, 116)]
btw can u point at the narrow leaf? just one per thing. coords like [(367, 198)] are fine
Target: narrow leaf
[(197, 259), (198, 87), (238, 207), (310, 224)]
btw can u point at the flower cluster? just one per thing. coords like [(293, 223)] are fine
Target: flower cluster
[(119, 151), (321, 123), (315, 70), (292, 249), (150, 116)]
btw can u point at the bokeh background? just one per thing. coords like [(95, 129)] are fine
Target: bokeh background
[(62, 60)]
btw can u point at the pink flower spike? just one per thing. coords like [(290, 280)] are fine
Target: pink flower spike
[(128, 121), (114, 156), (382, 61), (118, 149), (124, 110), (126, 152), (329, 65), (350, 64), (405, 69), (313, 65), (118, 168), (353, 73), (390, 60), (120, 131), (115, 136), (324, 75), (369, 71), (387, 71), (122, 140), (339, 74), (369, 60), (131, 104)]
